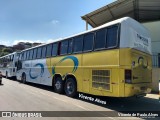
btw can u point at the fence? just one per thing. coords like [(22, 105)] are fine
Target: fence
[(156, 61)]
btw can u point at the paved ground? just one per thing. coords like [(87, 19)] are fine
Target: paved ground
[(15, 96)]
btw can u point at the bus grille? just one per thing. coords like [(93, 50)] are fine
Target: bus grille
[(101, 79)]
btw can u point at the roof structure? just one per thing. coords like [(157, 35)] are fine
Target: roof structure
[(140, 10)]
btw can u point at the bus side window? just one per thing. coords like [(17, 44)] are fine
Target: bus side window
[(78, 44), (49, 50), (27, 57), (24, 56), (112, 37), (88, 42), (34, 53), (54, 49), (70, 46), (31, 54), (39, 52), (64, 47), (12, 57), (20, 56), (43, 51), (100, 39)]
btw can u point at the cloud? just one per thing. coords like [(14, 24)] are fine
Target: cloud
[(54, 22), (4, 42)]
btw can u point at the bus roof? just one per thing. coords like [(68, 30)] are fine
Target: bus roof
[(9, 54)]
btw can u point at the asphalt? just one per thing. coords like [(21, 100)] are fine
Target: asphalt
[(15, 96)]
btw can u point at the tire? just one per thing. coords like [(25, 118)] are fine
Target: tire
[(59, 85), (23, 79), (6, 75), (71, 87)]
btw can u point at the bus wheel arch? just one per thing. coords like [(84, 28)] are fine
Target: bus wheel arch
[(58, 83), (70, 86)]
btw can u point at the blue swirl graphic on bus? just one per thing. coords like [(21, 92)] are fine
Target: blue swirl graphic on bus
[(41, 73), (74, 59)]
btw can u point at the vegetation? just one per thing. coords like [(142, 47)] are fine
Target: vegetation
[(4, 50)]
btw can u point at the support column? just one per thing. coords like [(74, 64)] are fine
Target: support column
[(86, 25)]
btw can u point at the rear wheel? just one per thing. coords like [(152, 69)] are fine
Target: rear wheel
[(71, 87), (59, 85), (23, 79)]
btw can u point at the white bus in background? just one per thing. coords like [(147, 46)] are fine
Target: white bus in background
[(8, 65)]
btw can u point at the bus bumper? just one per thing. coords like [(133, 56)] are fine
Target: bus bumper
[(138, 90)]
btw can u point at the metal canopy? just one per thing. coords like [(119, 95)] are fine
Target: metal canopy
[(140, 10)]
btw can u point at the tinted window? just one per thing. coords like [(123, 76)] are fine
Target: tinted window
[(100, 39), (39, 51), (49, 50), (44, 52), (11, 57), (20, 56), (64, 47), (88, 42), (34, 53), (27, 55), (112, 36), (70, 45), (30, 54), (24, 56), (54, 49), (78, 44)]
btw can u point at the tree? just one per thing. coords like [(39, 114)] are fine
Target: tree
[(7, 50), (3, 53)]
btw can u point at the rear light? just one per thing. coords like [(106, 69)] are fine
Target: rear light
[(128, 76)]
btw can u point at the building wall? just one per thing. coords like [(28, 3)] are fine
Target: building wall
[(154, 28), (155, 79)]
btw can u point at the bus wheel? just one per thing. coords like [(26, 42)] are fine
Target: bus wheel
[(6, 75), (58, 85), (23, 79), (71, 87)]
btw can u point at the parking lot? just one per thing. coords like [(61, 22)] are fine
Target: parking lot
[(15, 96)]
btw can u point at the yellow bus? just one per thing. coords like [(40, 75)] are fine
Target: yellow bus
[(111, 60)]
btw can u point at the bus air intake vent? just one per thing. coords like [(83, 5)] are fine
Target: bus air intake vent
[(101, 79)]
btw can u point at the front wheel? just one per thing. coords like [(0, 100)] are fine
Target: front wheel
[(23, 79), (71, 87)]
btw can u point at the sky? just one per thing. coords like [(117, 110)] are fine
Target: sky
[(43, 20)]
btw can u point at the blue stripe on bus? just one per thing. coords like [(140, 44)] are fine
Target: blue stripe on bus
[(42, 71), (74, 59)]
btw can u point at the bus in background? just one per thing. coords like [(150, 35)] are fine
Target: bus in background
[(111, 60), (8, 64)]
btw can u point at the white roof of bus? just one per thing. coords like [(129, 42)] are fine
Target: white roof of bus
[(8, 54)]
